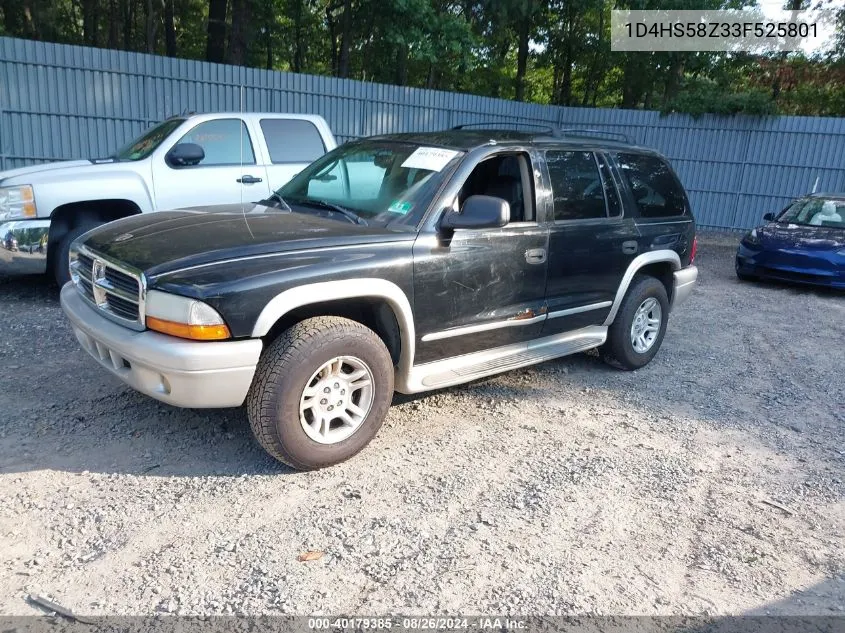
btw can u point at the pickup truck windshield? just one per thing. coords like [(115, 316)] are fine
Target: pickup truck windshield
[(378, 181), (145, 144)]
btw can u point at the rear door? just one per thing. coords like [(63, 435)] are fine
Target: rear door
[(591, 241), (290, 145), (227, 174)]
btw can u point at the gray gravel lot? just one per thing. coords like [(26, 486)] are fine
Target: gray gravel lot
[(709, 482)]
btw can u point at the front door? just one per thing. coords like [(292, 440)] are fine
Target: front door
[(591, 242), (227, 174), (481, 289)]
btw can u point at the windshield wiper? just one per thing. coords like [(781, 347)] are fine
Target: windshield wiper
[(275, 196), (331, 206)]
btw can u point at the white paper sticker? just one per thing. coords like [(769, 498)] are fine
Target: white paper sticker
[(429, 158)]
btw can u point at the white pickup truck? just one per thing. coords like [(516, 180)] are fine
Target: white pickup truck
[(201, 159)]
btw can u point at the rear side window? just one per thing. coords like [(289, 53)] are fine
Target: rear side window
[(292, 140), (576, 186), (224, 141), (656, 190)]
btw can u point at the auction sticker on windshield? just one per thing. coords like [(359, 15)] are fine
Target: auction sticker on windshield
[(429, 158)]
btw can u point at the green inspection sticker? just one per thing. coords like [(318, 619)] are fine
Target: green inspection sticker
[(400, 206)]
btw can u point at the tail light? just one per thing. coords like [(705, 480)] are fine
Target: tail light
[(693, 250)]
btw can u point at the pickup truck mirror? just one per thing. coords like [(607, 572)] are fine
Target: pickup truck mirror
[(479, 212), (769, 217), (185, 154)]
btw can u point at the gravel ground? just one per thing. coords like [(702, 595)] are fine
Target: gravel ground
[(709, 482)]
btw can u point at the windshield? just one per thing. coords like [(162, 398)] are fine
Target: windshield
[(377, 181), (815, 212), (145, 144)]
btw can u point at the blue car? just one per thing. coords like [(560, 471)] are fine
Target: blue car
[(804, 243)]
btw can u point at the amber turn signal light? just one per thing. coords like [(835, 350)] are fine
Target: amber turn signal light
[(192, 332)]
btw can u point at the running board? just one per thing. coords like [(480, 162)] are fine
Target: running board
[(459, 369)]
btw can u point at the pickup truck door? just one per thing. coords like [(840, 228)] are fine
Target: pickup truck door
[(289, 145), (482, 288), (228, 173), (591, 240)]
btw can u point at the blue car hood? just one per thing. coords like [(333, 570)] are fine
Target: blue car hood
[(783, 235)]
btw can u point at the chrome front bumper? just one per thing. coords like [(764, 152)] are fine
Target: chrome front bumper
[(684, 282), (178, 372), (29, 256)]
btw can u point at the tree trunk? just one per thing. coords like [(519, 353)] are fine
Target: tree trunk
[(501, 56), (169, 29), (215, 49), (401, 65), (345, 40), (17, 19), (149, 27), (238, 45), (522, 51), (89, 22), (298, 44), (114, 26), (128, 19)]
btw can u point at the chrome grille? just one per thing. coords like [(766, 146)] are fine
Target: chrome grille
[(109, 287)]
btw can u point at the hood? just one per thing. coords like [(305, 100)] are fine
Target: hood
[(37, 173), (169, 240), (786, 235)]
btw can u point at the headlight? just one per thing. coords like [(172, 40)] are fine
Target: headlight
[(752, 238), (17, 202), (184, 317)]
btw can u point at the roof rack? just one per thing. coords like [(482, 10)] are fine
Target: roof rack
[(573, 131), (498, 124)]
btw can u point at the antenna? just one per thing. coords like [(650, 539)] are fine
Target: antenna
[(242, 126)]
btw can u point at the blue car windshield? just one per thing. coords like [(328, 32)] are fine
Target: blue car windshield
[(815, 212)]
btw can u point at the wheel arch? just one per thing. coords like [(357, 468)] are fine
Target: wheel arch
[(67, 217), (377, 303), (660, 264)]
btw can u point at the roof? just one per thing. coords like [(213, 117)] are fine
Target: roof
[(466, 139), (825, 194)]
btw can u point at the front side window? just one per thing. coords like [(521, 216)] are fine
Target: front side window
[(224, 141), (656, 190), (576, 186), (292, 140), (377, 181), (146, 144)]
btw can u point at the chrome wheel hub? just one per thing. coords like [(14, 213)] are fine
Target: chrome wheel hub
[(646, 325), (336, 400)]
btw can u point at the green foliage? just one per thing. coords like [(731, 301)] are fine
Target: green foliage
[(544, 51)]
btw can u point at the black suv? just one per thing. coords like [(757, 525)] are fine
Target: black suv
[(406, 262)]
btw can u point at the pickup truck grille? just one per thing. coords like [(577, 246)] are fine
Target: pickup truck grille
[(109, 288)]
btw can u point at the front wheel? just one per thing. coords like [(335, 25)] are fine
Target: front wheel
[(637, 332), (321, 392), (61, 262)]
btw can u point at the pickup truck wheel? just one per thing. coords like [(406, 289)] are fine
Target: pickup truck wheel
[(61, 263), (637, 332), (320, 392)]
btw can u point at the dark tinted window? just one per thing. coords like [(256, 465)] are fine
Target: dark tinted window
[(576, 185), (657, 192), (292, 141), (225, 142), (614, 206)]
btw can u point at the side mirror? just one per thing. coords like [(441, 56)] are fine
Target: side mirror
[(185, 154), (479, 212), (769, 217)]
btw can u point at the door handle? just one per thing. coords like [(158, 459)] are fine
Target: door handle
[(630, 247), (246, 179), (535, 255)]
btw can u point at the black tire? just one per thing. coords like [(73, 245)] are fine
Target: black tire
[(283, 372), (619, 350), (743, 276), (61, 265)]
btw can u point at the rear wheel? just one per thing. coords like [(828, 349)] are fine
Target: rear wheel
[(61, 263), (321, 392), (636, 334)]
